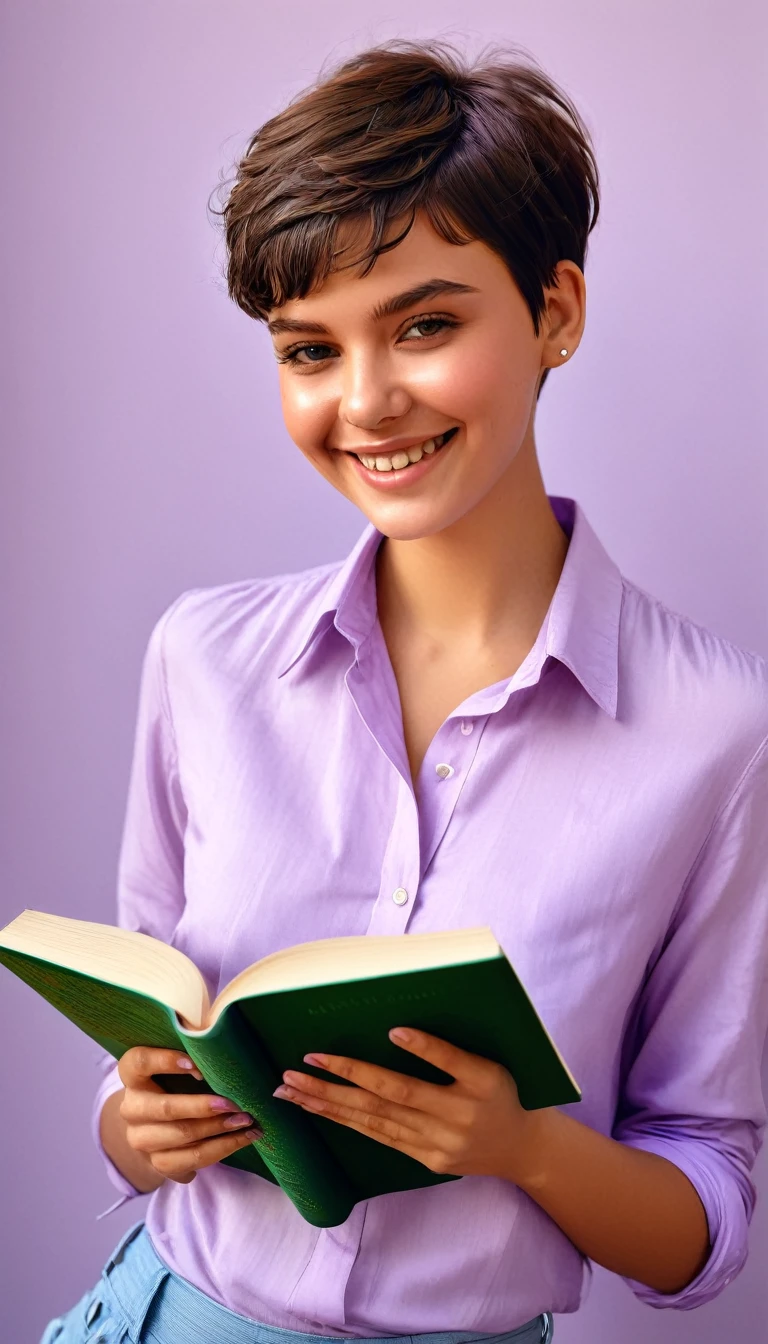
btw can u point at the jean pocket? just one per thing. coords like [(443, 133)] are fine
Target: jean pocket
[(94, 1313), (85, 1323), (100, 1324)]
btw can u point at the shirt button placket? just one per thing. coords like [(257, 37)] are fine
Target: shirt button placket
[(400, 873)]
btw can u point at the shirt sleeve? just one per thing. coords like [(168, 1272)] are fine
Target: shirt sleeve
[(150, 877), (692, 1093)]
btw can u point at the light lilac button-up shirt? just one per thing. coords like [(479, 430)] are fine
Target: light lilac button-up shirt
[(605, 813)]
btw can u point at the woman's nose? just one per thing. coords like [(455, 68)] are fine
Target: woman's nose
[(370, 393)]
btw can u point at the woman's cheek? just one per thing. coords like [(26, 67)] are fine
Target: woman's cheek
[(463, 389), (496, 387), (308, 419)]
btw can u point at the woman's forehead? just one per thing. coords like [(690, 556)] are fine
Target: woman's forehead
[(420, 257)]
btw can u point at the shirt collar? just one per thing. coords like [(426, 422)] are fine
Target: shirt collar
[(582, 626), (580, 630), (347, 602)]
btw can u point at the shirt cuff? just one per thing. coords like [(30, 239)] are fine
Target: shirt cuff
[(728, 1197), (109, 1084)]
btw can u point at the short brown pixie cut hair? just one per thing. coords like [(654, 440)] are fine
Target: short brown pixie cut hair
[(492, 151)]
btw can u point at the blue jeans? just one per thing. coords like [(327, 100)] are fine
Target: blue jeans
[(139, 1300)]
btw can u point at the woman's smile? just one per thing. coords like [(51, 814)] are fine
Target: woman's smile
[(404, 467)]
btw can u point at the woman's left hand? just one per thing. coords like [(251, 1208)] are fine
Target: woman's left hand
[(474, 1126)]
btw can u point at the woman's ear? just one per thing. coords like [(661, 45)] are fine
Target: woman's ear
[(565, 314)]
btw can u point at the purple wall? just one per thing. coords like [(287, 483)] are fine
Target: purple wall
[(144, 450)]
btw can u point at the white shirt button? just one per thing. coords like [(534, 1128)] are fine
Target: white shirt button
[(443, 770), (466, 727), (400, 896)]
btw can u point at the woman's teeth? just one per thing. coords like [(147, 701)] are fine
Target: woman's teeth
[(396, 461)]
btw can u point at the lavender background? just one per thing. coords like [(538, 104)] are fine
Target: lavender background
[(144, 452)]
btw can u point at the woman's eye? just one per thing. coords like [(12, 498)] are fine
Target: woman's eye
[(433, 326), (315, 354)]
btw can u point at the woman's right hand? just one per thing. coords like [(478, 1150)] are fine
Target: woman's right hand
[(177, 1132)]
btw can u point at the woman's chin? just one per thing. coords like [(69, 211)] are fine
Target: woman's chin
[(410, 522)]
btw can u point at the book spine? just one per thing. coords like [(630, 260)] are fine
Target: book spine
[(234, 1063)]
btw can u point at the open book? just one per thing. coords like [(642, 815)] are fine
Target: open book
[(337, 995)]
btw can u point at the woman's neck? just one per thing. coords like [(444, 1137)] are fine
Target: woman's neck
[(488, 578)]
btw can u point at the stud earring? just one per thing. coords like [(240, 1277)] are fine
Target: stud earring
[(563, 352)]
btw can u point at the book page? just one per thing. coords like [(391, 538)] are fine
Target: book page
[(334, 960), (114, 955)]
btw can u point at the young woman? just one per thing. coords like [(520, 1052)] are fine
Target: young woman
[(474, 719)]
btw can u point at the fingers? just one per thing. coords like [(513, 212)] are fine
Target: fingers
[(183, 1131), (459, 1064), (428, 1143), (152, 1138), (330, 1099), (140, 1107), (138, 1064), (396, 1088), (157, 1120), (181, 1164), (360, 1110)]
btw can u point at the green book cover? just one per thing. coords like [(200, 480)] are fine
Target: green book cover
[(337, 996)]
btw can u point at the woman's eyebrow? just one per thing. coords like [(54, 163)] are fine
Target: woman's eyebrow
[(408, 298), (417, 294)]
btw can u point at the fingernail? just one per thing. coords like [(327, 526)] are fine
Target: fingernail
[(399, 1034), (235, 1121), (223, 1104), (185, 1063), (319, 1061), (254, 1133), (283, 1091)]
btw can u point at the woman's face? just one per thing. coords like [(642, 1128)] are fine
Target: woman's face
[(413, 389)]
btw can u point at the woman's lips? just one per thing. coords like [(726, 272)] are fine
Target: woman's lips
[(405, 476)]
